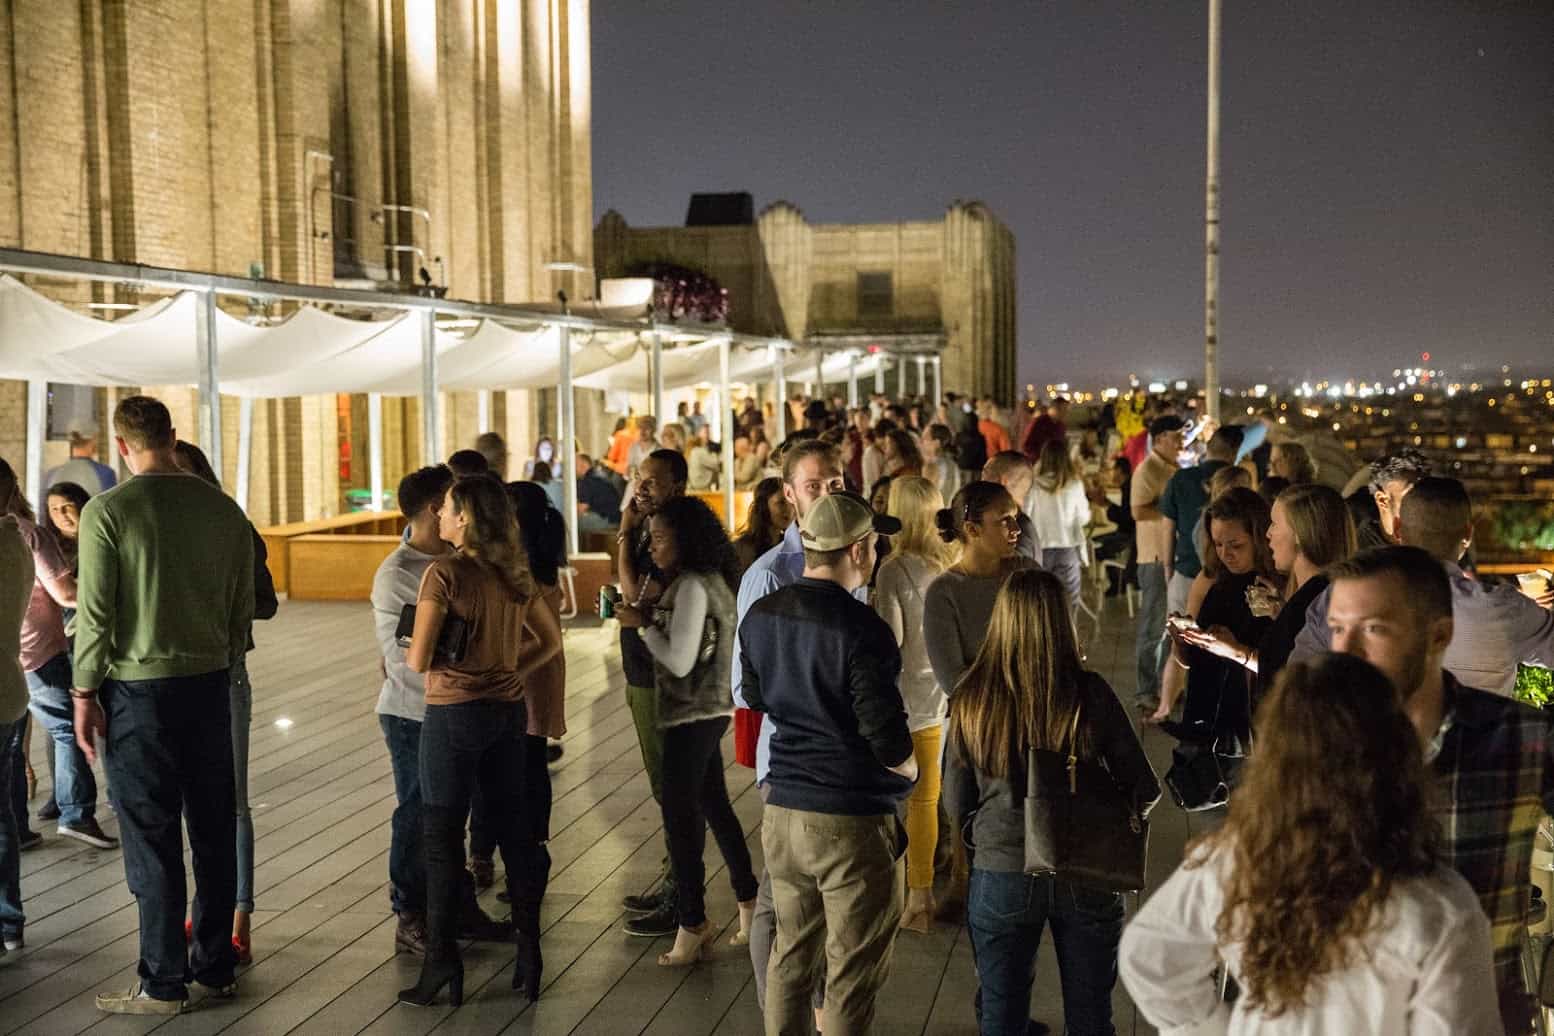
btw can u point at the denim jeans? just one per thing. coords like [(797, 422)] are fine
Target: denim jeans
[(407, 861), (11, 917), (1151, 629), (1064, 563), (476, 743), (169, 757), (75, 789), (1006, 915), (242, 718), (536, 792), (14, 787)]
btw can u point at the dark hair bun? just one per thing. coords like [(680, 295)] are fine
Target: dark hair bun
[(944, 521)]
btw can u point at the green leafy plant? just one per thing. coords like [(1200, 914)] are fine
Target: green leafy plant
[(1534, 685), (1525, 525)]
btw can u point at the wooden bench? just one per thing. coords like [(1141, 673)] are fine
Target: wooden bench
[(278, 538)]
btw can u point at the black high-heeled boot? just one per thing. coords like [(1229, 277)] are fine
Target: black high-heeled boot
[(527, 891), (434, 975)]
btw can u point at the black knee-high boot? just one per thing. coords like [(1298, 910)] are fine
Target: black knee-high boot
[(526, 886), (443, 837)]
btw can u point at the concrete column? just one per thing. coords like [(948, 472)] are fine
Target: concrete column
[(564, 447), (780, 379), (207, 348), (431, 427), (375, 448), (245, 449)]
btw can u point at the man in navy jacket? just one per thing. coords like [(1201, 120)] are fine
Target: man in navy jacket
[(825, 667)]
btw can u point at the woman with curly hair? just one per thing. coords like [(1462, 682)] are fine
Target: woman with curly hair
[(690, 633), (1324, 893)]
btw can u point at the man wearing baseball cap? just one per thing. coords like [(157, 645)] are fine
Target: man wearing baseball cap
[(824, 666)]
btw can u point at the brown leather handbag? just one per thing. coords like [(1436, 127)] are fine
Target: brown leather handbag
[(1080, 826)]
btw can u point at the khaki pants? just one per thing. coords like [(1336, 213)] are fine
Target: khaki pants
[(837, 887)]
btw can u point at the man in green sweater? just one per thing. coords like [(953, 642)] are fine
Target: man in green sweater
[(164, 600)]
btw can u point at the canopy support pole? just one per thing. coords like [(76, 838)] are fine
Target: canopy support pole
[(726, 448), (37, 432), (938, 382), (780, 379), (207, 349), (879, 374), (564, 447), (901, 376), (656, 374), (375, 449), (820, 374), (852, 381), (245, 449), (922, 376), (431, 449), (483, 411)]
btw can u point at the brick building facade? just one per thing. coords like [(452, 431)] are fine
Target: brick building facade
[(322, 141), (949, 281)]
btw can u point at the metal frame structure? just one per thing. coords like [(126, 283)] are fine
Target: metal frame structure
[(211, 285)]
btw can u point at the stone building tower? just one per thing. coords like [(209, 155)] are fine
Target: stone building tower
[(322, 141)]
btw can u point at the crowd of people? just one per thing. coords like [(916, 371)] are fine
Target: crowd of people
[(892, 638)]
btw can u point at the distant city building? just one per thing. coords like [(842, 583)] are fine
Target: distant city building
[(909, 289)]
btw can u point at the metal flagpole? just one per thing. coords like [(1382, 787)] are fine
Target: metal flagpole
[(1211, 227)]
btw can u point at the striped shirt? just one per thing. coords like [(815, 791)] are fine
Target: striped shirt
[(1495, 778)]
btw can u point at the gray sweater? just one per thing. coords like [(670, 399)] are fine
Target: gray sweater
[(990, 811), (956, 611)]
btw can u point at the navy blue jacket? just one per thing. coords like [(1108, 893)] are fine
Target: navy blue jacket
[(826, 668)]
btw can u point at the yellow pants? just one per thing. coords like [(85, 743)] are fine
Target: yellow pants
[(922, 812)]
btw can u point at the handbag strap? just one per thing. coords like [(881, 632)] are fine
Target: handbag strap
[(1073, 749)]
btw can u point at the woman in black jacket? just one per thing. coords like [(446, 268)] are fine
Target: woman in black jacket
[(1023, 690), (192, 459)]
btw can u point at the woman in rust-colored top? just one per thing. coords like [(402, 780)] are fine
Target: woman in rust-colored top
[(475, 723)]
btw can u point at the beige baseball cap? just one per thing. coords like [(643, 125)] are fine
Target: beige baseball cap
[(842, 519)]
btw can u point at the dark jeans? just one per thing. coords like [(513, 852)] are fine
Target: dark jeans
[(169, 758), (1006, 915), (48, 691), (407, 859), (476, 744), (695, 798), (11, 917), (14, 786)]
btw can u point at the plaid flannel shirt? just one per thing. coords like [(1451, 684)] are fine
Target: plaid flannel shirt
[(1492, 766)]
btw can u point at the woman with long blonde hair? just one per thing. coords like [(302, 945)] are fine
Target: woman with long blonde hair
[(1026, 688), (918, 554), (1324, 893)]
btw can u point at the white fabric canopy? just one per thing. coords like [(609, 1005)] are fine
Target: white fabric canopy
[(311, 352)]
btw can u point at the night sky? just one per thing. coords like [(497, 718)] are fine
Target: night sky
[(1387, 167)]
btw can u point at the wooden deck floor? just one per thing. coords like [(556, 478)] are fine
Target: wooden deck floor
[(323, 938)]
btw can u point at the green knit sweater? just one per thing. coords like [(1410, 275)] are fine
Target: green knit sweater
[(166, 583)]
